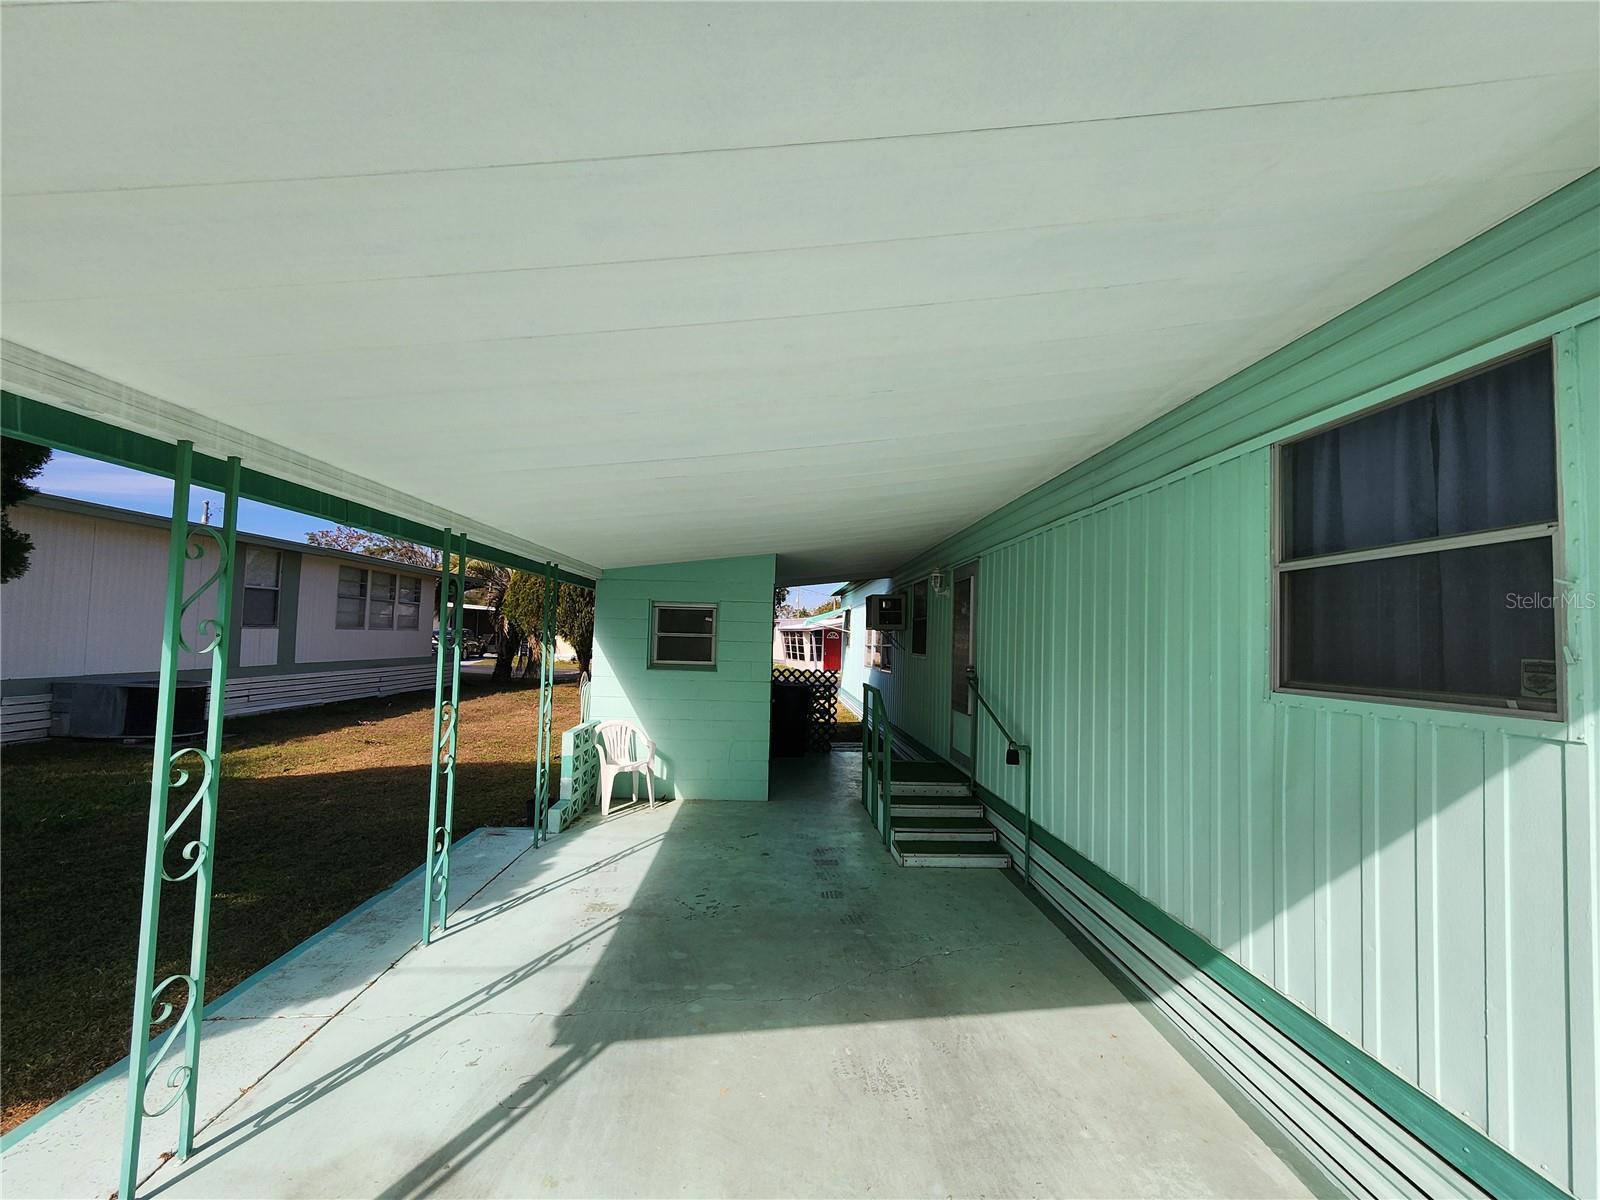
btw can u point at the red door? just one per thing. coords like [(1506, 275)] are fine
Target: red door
[(832, 650)]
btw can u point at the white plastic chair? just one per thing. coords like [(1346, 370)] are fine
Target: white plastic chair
[(617, 743)]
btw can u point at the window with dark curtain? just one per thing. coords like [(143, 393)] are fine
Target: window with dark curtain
[(1437, 520)]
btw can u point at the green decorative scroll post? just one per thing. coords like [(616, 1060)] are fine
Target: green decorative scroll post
[(547, 679), (155, 1003), (446, 722)]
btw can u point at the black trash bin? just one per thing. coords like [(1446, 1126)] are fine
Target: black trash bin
[(791, 719)]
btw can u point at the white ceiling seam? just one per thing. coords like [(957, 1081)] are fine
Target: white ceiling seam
[(39, 377), (830, 282)]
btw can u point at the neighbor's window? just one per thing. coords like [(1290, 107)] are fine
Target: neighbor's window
[(381, 613), (879, 650), (352, 599), (1418, 543), (409, 604), (794, 644), (919, 617), (683, 635), (262, 569)]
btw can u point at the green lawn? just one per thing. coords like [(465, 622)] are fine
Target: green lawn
[(320, 809)]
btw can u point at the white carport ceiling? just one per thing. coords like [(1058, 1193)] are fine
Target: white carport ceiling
[(659, 282)]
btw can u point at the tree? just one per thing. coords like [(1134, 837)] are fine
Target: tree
[(524, 605), (19, 462), (378, 545), (492, 583), (575, 621)]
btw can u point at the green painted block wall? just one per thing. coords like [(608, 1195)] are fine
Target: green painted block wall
[(711, 728), (1423, 882)]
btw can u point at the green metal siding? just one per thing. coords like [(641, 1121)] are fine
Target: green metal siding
[(1422, 881)]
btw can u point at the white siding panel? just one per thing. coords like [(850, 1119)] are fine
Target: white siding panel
[(317, 639), (44, 616), (24, 718), (258, 647), (270, 693)]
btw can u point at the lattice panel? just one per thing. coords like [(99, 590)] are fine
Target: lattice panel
[(824, 687)]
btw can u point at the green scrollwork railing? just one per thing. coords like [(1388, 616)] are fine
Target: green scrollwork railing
[(877, 762), (539, 815), (169, 773), (446, 729)]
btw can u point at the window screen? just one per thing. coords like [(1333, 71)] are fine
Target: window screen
[(262, 569), (919, 618), (380, 613), (683, 635), (408, 606), (352, 613), (1418, 546)]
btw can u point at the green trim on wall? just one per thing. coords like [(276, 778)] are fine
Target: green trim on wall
[(1469, 1151), (1544, 261), (31, 421), (288, 609), (236, 612)]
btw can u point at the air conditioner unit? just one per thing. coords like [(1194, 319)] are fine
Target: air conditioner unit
[(886, 613)]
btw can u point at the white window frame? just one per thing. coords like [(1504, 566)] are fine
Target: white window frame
[(276, 589), (374, 600), (338, 595), (676, 664), (878, 651), (402, 606), (793, 641), (1283, 567)]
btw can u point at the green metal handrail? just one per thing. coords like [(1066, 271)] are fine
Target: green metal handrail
[(877, 762), (1016, 752)]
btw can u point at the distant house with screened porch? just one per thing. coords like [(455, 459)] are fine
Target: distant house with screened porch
[(813, 643), (79, 657)]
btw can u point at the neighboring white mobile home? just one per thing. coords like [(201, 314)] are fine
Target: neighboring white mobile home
[(814, 643), (79, 641)]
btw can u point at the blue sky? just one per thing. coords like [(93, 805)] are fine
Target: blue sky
[(87, 479), (811, 595), (102, 483)]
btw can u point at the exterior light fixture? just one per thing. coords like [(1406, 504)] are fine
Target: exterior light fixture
[(936, 581)]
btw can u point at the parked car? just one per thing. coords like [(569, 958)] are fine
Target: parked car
[(471, 644)]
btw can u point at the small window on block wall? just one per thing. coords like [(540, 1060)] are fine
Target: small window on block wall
[(683, 635), (1418, 547)]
